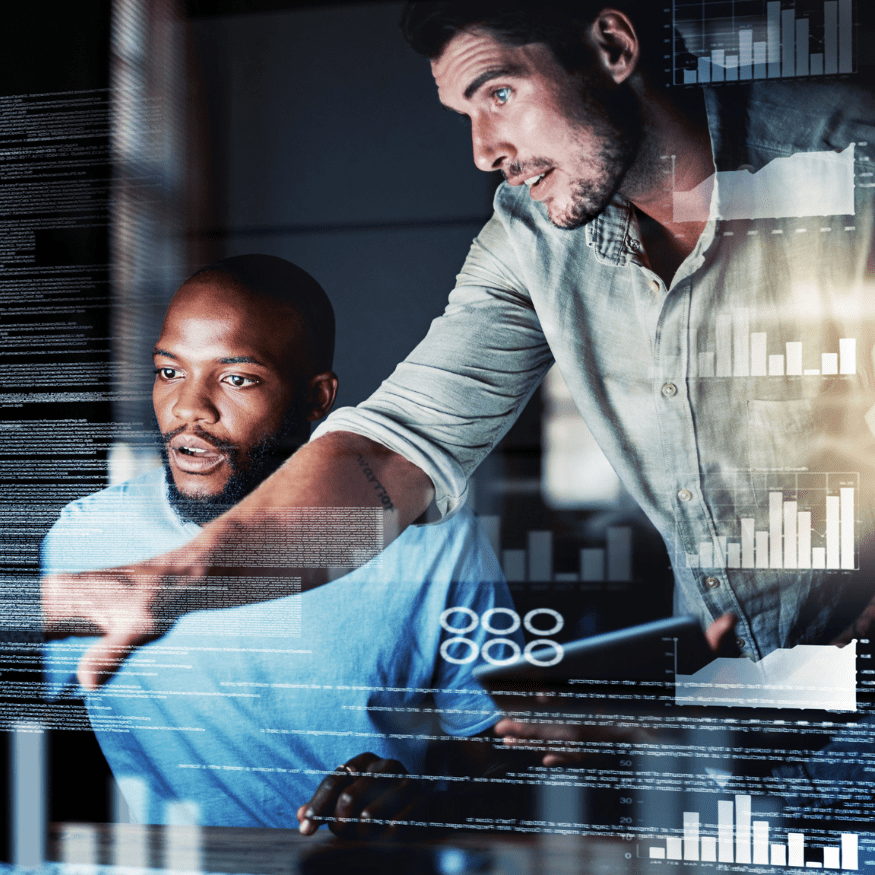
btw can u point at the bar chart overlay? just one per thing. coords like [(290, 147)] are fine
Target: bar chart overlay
[(772, 39), (798, 520), (608, 562), (738, 838), (734, 350)]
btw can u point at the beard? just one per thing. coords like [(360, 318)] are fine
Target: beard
[(612, 116), (265, 456)]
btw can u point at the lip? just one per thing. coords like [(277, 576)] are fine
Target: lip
[(206, 460), (520, 178), (539, 190)]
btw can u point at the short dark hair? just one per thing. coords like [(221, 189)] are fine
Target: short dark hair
[(276, 279), (428, 25)]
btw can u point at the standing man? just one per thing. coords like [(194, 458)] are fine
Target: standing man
[(618, 249)]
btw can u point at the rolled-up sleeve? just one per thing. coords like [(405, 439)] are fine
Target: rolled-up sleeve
[(459, 391)]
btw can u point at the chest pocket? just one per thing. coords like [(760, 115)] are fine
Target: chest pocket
[(828, 433)]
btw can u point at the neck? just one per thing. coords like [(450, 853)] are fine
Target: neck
[(675, 155)]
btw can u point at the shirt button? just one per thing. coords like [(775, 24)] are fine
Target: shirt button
[(741, 643), (685, 495), (669, 390), (654, 285), (712, 582), (634, 245)]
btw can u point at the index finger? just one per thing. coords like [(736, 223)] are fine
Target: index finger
[(102, 660), (325, 798)]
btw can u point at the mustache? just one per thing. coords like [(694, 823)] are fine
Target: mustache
[(197, 431), (527, 168)]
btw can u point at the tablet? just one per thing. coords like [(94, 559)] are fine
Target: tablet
[(651, 652)]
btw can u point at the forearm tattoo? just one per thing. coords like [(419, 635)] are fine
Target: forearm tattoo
[(381, 490)]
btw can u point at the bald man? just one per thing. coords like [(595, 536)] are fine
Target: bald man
[(236, 716)]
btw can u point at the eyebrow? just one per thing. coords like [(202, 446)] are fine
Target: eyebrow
[(241, 360), (229, 360), (492, 73)]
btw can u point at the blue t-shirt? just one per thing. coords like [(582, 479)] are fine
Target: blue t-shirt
[(238, 714)]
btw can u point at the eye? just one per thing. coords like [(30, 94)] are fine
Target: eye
[(501, 95), (167, 373), (238, 381)]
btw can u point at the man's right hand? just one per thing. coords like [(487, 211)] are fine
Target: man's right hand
[(238, 558), (126, 606)]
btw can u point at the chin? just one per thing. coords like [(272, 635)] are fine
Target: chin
[(568, 218), (197, 491)]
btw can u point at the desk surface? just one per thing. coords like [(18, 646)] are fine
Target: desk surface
[(105, 848)]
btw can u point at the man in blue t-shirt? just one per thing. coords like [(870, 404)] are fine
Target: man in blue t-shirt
[(235, 716)]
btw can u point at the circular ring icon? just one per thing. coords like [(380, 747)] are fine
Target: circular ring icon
[(456, 660), (514, 621), (507, 660), (527, 621), (557, 657), (475, 619)]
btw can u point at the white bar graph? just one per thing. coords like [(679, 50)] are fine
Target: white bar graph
[(725, 845), (796, 849), (691, 835), (760, 842), (849, 851), (742, 829), (29, 795), (737, 838), (810, 522), (783, 50), (183, 842), (708, 849), (739, 352), (78, 843)]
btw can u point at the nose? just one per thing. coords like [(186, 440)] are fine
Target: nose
[(491, 150), (193, 402)]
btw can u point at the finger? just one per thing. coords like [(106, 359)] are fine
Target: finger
[(352, 811), (858, 629), (407, 821), (515, 728), (719, 632), (387, 804), (518, 730), (102, 660), (324, 800), (554, 759)]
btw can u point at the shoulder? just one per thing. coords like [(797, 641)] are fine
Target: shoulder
[(518, 256), (792, 116)]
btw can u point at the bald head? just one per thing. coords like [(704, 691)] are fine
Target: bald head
[(270, 281)]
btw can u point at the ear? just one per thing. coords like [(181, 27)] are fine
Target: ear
[(321, 392), (615, 41)]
